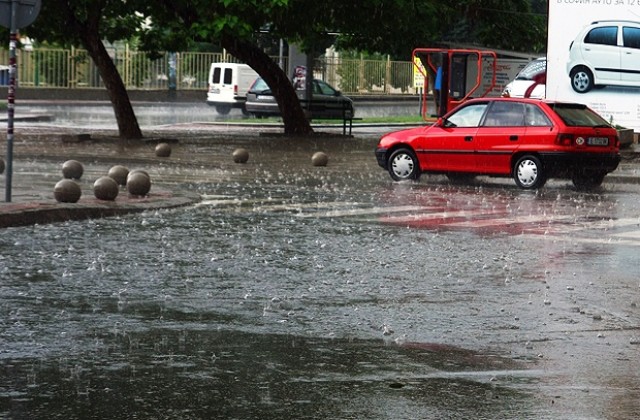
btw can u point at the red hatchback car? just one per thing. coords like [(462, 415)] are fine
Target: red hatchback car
[(530, 140)]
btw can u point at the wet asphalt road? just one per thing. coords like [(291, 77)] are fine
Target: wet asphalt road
[(292, 291)]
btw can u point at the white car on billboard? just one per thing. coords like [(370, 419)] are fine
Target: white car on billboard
[(605, 53)]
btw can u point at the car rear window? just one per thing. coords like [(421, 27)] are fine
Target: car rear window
[(578, 115), (532, 69), (259, 86)]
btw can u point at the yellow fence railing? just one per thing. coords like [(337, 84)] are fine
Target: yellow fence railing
[(74, 69)]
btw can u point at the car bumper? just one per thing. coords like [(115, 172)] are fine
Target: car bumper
[(562, 162), (381, 156), (259, 108), (236, 104)]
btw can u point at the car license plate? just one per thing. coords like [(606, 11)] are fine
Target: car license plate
[(598, 141), (215, 91)]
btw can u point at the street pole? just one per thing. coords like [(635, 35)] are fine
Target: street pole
[(14, 14), (11, 99)]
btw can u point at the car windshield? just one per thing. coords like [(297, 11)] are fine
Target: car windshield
[(260, 86), (532, 69), (578, 115)]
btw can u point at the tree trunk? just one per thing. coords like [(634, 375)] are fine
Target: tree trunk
[(128, 127), (293, 116)]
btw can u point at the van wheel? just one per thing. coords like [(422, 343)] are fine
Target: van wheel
[(223, 109), (529, 173), (581, 79)]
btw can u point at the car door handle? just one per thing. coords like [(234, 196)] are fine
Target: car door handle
[(468, 138), (513, 137)]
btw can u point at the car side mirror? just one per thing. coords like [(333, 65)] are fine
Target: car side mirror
[(338, 93), (445, 123)]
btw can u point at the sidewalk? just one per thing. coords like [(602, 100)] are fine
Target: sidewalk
[(38, 158)]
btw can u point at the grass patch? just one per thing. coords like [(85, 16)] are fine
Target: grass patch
[(403, 119)]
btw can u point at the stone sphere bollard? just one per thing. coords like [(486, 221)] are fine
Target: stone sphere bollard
[(240, 155), (119, 174), (135, 171), (163, 150), (1, 166), (105, 188), (138, 184), (319, 159), (67, 191), (72, 169)]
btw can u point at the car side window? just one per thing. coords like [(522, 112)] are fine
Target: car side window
[(469, 116), (534, 117), (631, 37), (325, 89), (606, 35), (505, 114)]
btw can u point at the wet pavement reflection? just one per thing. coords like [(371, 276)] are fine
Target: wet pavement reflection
[(299, 292)]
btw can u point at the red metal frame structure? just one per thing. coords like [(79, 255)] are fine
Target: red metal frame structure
[(447, 57)]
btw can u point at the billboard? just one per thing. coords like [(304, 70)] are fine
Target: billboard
[(593, 56)]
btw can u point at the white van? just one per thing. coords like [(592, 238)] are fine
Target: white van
[(228, 85)]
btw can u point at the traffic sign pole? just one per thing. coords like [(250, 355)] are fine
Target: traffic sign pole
[(11, 101), (14, 14)]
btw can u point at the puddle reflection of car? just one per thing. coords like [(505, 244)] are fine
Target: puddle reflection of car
[(327, 102), (526, 78), (530, 140), (605, 53)]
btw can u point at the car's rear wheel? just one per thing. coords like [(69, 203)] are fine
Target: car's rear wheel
[(403, 165), (581, 79), (528, 173), (588, 180)]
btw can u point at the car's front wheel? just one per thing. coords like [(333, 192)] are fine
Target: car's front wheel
[(588, 180), (403, 165), (581, 79), (528, 173)]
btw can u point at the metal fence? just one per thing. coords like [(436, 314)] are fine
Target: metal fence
[(74, 69)]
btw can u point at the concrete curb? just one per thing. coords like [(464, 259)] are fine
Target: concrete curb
[(41, 212)]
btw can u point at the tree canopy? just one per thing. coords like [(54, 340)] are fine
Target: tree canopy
[(392, 27), (87, 23)]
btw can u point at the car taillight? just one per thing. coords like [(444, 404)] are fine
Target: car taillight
[(235, 89), (565, 139)]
